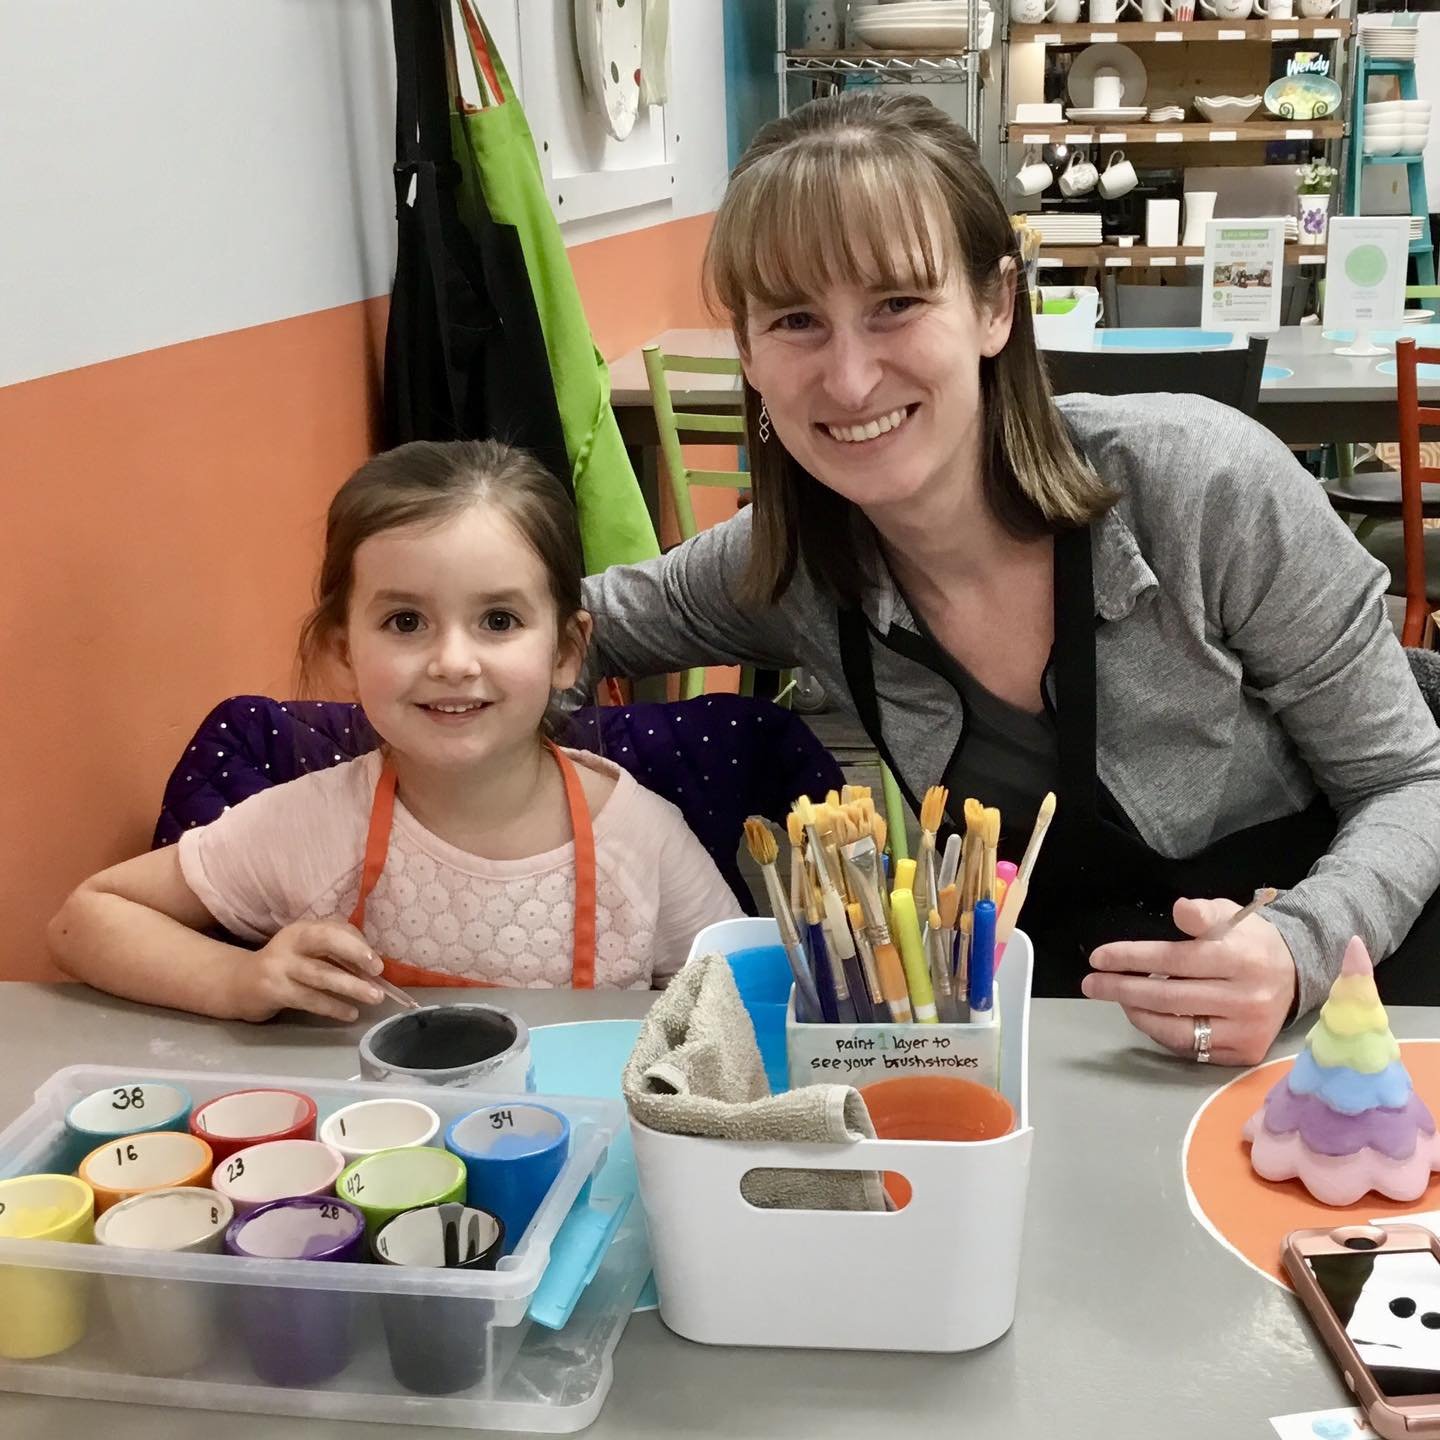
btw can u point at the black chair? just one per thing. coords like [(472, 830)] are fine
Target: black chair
[(1230, 376)]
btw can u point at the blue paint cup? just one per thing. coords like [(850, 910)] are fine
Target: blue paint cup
[(763, 978), (118, 1111), (513, 1153)]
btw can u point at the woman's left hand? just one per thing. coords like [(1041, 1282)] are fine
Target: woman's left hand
[(1244, 983)]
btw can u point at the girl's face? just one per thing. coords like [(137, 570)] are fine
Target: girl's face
[(876, 392), (451, 641)]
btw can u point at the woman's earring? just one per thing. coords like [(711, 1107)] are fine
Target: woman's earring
[(764, 426)]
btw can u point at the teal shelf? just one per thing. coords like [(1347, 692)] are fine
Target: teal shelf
[(1392, 159)]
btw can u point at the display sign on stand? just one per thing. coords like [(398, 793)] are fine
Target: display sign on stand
[(1365, 266), (1244, 269)]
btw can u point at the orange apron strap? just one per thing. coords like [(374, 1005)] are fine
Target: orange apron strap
[(377, 842), (582, 972), (377, 847)]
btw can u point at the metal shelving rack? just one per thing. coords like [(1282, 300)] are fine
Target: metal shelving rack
[(915, 67)]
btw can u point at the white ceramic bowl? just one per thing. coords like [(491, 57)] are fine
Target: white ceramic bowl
[(1389, 127), (1382, 145), (1378, 109), (1227, 109)]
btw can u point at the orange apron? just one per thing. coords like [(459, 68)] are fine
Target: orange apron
[(377, 847)]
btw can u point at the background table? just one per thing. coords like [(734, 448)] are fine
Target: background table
[(1328, 399), (1132, 1320)]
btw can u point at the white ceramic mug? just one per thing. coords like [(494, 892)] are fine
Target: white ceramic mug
[(1119, 177), (1228, 9), (1066, 12), (1109, 89), (1152, 12), (1030, 12), (1317, 9), (1032, 178), (1276, 9), (1104, 12), (1079, 177)]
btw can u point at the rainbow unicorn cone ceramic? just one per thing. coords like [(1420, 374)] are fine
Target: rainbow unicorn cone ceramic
[(1346, 1119)]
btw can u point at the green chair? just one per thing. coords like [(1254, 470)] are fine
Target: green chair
[(670, 422)]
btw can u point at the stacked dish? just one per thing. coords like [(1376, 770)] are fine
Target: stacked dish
[(1396, 127), (921, 25), (1384, 41), (1057, 228), (1163, 113)]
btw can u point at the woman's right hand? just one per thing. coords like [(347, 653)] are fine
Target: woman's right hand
[(313, 965)]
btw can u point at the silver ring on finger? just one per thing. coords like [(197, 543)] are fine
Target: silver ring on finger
[(1202, 1040)]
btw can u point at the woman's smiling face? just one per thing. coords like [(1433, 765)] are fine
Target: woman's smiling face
[(875, 388)]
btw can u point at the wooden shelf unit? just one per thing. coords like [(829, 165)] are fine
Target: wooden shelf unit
[(1121, 257), (1139, 32), (1128, 132)]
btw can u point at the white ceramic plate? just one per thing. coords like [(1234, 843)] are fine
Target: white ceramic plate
[(1133, 81), (1126, 112), (608, 34)]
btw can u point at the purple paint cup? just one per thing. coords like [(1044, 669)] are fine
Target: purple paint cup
[(297, 1336)]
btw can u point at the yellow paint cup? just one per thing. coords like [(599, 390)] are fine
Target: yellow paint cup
[(43, 1312)]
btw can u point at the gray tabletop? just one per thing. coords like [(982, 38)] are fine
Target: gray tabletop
[(1132, 1320), (1328, 398)]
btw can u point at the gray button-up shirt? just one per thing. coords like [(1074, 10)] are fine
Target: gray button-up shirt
[(1246, 665)]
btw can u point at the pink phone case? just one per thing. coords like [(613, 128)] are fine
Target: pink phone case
[(1396, 1418)]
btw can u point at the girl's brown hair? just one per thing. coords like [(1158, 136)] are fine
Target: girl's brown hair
[(855, 189), (426, 483)]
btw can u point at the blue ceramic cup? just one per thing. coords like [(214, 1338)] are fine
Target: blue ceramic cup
[(762, 976), (513, 1153), (120, 1110)]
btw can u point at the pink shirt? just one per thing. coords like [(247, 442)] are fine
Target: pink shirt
[(295, 853)]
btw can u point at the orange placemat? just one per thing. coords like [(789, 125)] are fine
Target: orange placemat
[(1252, 1216)]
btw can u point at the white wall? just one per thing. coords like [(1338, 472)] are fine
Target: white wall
[(174, 169)]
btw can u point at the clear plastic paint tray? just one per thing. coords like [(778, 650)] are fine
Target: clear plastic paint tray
[(940, 1274), (516, 1374)]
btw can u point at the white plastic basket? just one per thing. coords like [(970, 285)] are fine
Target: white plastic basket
[(939, 1275)]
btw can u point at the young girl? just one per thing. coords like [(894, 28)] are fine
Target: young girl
[(469, 850)]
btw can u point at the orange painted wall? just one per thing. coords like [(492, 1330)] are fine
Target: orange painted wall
[(161, 520)]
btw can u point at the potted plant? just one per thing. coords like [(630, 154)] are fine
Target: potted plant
[(1317, 179)]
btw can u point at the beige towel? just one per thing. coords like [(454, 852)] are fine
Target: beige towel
[(696, 1070)]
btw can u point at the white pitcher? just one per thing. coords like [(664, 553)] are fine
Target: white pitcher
[(1228, 9)]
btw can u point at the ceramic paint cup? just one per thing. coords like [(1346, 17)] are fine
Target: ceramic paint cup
[(934, 1107), (389, 1182), (297, 1336), (250, 1117), (513, 1154), (165, 1327), (472, 1047), (278, 1170), (437, 1342), (153, 1160), (121, 1110), (371, 1125), (43, 1312)]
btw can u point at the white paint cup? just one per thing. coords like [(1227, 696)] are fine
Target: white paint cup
[(165, 1327), (1031, 179), (371, 1125), (1109, 89), (277, 1170), (1119, 177)]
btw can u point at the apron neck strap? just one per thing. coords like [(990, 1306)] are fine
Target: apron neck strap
[(377, 848)]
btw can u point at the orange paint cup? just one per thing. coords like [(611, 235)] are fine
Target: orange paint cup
[(152, 1160), (934, 1107)]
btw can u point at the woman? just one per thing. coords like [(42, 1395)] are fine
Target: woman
[(1143, 603)]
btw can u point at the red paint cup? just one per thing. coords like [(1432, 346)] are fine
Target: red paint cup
[(934, 1107), (251, 1117)]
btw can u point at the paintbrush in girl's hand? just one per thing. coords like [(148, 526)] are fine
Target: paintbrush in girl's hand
[(764, 850)]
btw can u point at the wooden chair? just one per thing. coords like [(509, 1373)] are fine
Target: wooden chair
[(1411, 551), (1230, 376), (729, 428)]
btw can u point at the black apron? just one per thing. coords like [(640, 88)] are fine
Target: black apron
[(1097, 880), (465, 355)]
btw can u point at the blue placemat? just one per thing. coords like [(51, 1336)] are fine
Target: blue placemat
[(1165, 338), (1275, 372), (1429, 373), (586, 1057)]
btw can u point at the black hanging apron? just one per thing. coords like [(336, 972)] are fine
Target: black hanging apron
[(1097, 880), (465, 354)]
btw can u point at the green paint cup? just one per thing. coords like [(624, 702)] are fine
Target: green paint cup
[(390, 1182)]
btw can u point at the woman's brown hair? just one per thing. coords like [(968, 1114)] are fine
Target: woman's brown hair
[(426, 483), (854, 189)]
